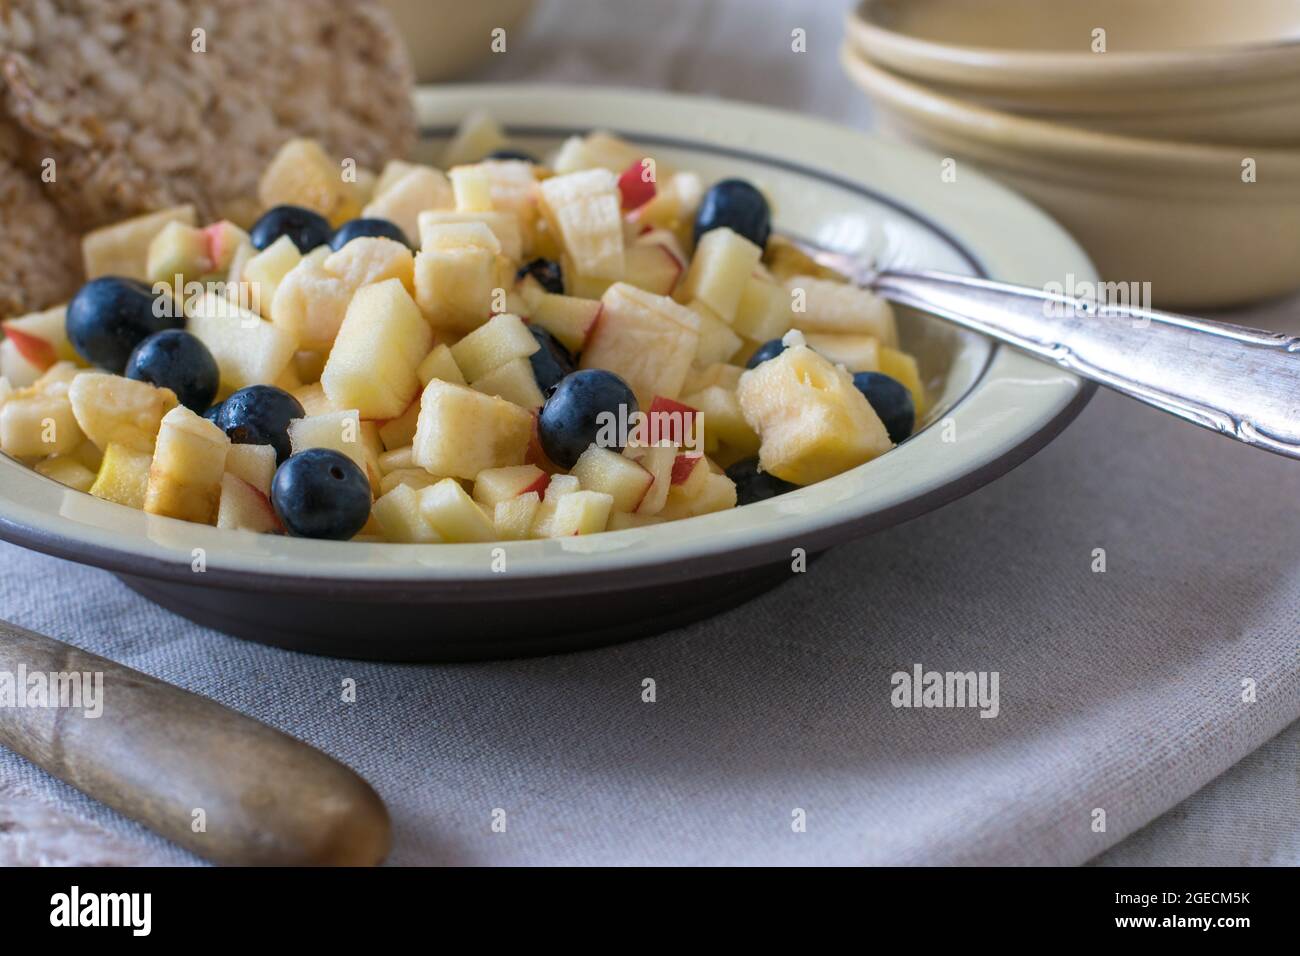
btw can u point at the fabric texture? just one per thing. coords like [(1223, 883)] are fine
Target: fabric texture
[(772, 737)]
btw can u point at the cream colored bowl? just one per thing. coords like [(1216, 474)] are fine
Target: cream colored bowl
[(447, 37), (992, 409), (1200, 70), (1177, 216)]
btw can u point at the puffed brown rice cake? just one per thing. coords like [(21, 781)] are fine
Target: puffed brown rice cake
[(40, 254), (115, 92)]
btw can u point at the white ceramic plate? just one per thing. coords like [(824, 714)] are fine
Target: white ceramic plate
[(828, 183)]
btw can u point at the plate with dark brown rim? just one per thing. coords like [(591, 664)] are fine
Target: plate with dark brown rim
[(990, 409)]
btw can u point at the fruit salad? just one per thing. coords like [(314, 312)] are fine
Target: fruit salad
[(496, 350)]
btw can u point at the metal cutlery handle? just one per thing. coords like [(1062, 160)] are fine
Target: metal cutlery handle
[(1242, 382)]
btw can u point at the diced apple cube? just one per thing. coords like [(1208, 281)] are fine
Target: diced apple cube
[(503, 339), (724, 422), (400, 519), (16, 368), (584, 209), (583, 512), (830, 306), (123, 477), (477, 135), (440, 364), (560, 487), (38, 422), (472, 189), (596, 150), (514, 517), (454, 514), (248, 349), (244, 507), (462, 432), (764, 311), (312, 299), (514, 190), (647, 340), (400, 431), (658, 461), (178, 250), (723, 264), (111, 409), (189, 460), (313, 399), (812, 422), (41, 337), (122, 249), (254, 464), (494, 485), (397, 458), (456, 274), (303, 174), (514, 381), (340, 431), (413, 191), (379, 345), (857, 353), (624, 480), (673, 207), (569, 319), (718, 342), (264, 272), (66, 470), (653, 267), (504, 225)]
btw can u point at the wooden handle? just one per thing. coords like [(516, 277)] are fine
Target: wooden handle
[(231, 789)]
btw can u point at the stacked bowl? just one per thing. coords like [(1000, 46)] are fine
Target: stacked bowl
[(1165, 134)]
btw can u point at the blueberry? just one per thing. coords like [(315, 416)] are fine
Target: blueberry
[(551, 362), (175, 359), (513, 154), (755, 485), (547, 273), (260, 415), (110, 316), (737, 205), (891, 401), (307, 229), (321, 493), (768, 350), (575, 413), (213, 414), (358, 228)]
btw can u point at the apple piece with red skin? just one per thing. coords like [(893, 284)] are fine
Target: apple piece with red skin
[(494, 485), (669, 421), (687, 466), (243, 506), (653, 267), (570, 319), (41, 337), (221, 240), (635, 189), (37, 351)]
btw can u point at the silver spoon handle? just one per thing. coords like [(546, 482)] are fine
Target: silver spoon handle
[(1241, 382)]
